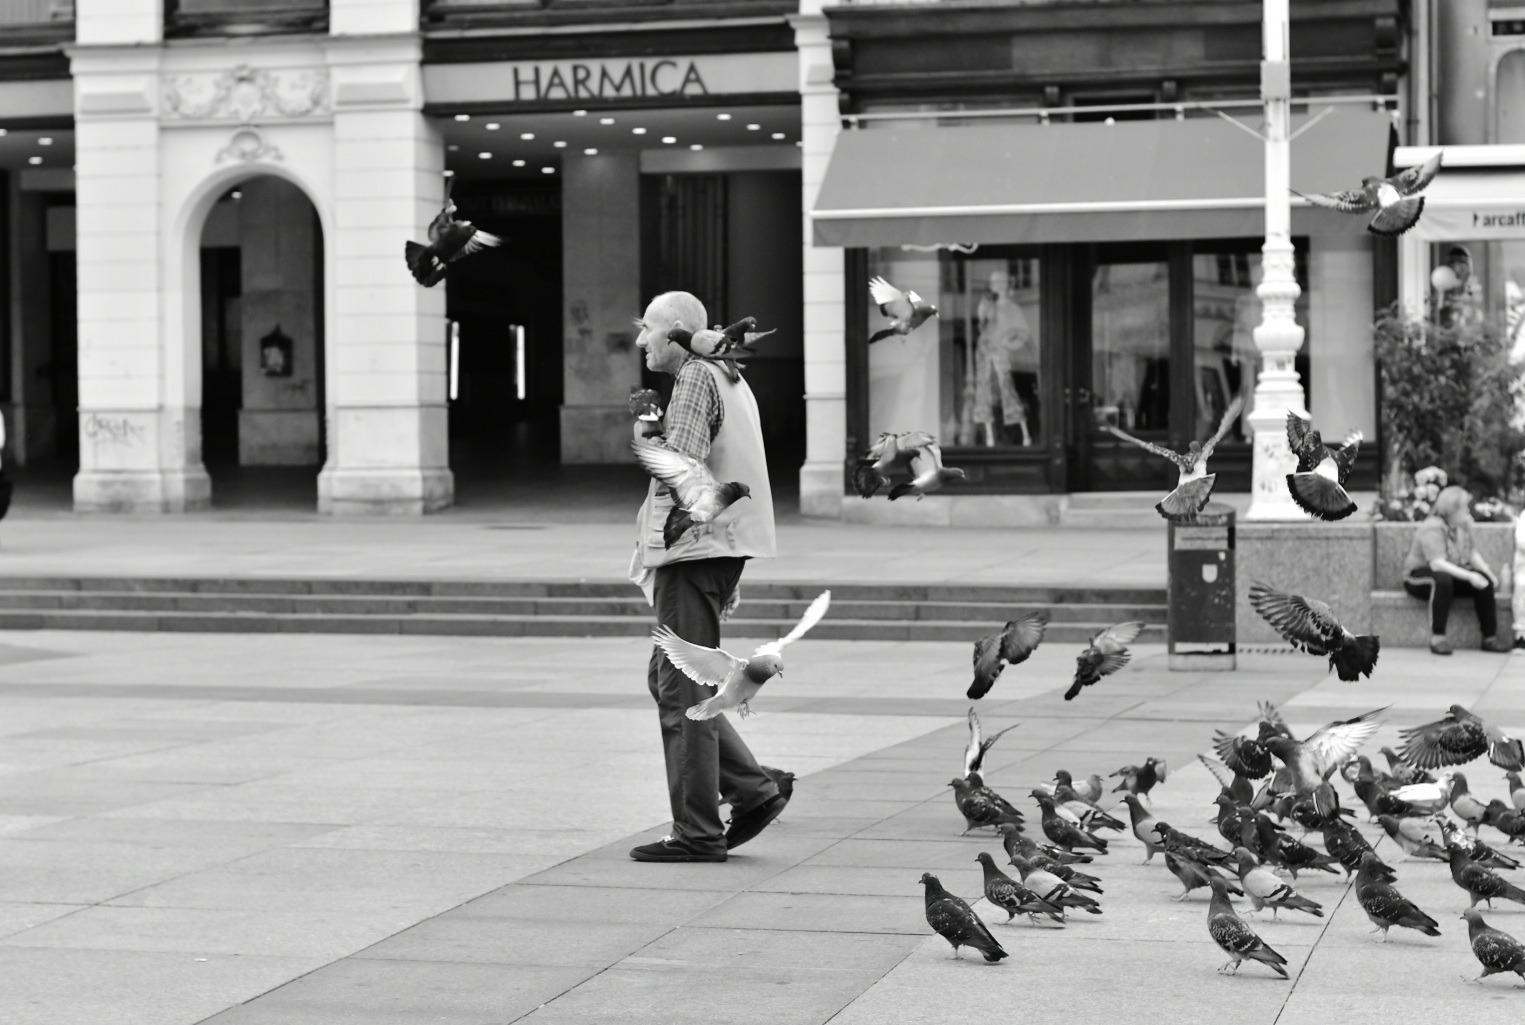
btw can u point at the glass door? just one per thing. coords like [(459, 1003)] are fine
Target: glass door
[(1124, 368)]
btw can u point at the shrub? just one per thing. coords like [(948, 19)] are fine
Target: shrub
[(1448, 400)]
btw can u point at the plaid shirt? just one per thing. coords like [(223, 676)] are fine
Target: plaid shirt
[(695, 413)]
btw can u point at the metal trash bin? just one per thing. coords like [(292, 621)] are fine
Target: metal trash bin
[(1199, 625)]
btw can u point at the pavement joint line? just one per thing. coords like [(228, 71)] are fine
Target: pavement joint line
[(1313, 947)]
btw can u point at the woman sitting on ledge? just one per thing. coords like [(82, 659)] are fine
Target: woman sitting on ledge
[(1444, 562)]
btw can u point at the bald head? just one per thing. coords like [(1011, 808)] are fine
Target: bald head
[(666, 311)]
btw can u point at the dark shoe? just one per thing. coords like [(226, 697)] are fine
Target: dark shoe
[(1519, 644), (1495, 645), (1441, 648), (669, 849), (748, 824)]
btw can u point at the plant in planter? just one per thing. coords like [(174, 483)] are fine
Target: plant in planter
[(1449, 398)]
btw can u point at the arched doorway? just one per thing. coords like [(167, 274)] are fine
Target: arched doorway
[(262, 354)]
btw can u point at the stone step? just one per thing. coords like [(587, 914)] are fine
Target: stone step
[(511, 626), (1404, 622), (398, 605)]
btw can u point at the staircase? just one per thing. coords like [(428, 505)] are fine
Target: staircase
[(549, 609)]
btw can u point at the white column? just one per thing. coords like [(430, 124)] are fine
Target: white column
[(1279, 336), (825, 310), (139, 416), (387, 446)]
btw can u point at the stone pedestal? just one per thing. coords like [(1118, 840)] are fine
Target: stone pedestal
[(601, 292), (822, 482), (1332, 562)]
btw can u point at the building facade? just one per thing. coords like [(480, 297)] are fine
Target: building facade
[(204, 260)]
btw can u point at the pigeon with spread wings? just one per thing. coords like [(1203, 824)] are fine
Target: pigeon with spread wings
[(739, 679), (1195, 485), (907, 310), (697, 496), (449, 240), (1310, 625), (889, 457), (1011, 644), (974, 754), (1105, 655), (1318, 485), (1395, 199), (928, 473), (1458, 739), (1310, 763)]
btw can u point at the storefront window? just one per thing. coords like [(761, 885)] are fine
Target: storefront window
[(971, 376), (1225, 313), (1130, 344)]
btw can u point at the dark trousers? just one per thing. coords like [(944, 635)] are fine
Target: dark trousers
[(707, 762), (1441, 589)]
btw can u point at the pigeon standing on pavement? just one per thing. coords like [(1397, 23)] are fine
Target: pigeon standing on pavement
[(979, 805), (1310, 625), (1010, 645), (1479, 882), (1012, 897), (1402, 772), (1495, 950), (1505, 819), (1348, 845), (1140, 779), (738, 679), (956, 922), (697, 496), (1516, 790), (1105, 655), (1265, 889), (1458, 739), (449, 240), (1467, 807), (889, 457), (1414, 836), (1194, 487), (1396, 200), (1384, 905), (1318, 483), (1236, 939), (974, 754), (1053, 889), (1452, 838), (928, 474), (1062, 833), (907, 310)]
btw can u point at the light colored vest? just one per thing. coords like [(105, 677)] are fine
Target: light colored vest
[(737, 454)]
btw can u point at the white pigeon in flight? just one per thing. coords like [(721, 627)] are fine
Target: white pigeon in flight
[(739, 679)]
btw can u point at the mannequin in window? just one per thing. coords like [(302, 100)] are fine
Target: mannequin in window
[(1459, 293), (1005, 341)]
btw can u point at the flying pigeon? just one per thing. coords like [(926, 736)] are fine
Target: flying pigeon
[(974, 754), (1105, 655), (1011, 644), (1265, 889), (697, 496), (1065, 834), (1459, 738), (981, 806), (1238, 940), (1246, 756), (956, 921), (927, 473), (1395, 200), (1415, 837), (1053, 889), (889, 457), (1496, 951), (1012, 897), (1195, 485), (907, 310), (1310, 625), (739, 679), (1479, 882), (449, 240), (1310, 763), (1318, 485), (1140, 779), (1384, 905)]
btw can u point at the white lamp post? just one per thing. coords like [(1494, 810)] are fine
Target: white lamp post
[(1279, 337)]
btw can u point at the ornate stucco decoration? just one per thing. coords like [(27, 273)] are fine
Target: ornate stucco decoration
[(245, 95), (246, 144)]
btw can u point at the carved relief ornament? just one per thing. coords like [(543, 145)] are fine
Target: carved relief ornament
[(244, 95)]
